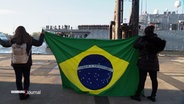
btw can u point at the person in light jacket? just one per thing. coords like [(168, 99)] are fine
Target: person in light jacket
[(21, 37)]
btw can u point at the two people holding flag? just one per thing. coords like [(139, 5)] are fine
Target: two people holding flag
[(149, 46)]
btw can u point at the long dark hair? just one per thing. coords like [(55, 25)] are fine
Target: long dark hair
[(21, 36)]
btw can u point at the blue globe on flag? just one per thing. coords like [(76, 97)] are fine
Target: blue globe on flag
[(95, 71)]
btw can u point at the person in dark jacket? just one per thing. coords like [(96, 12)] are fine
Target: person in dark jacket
[(149, 46), (20, 37)]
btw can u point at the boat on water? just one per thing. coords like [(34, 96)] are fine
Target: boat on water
[(83, 31), (2, 49), (3, 36), (168, 25), (35, 50), (169, 20)]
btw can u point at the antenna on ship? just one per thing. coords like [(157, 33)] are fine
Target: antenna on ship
[(141, 6), (146, 6)]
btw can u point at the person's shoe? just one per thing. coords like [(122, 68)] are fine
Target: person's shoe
[(21, 96), (137, 98), (153, 99), (26, 96)]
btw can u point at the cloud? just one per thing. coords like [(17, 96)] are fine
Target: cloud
[(7, 12)]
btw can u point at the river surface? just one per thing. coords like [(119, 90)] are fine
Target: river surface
[(36, 50)]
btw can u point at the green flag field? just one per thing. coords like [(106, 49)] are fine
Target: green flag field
[(94, 66)]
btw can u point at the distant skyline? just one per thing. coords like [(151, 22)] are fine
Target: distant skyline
[(36, 14)]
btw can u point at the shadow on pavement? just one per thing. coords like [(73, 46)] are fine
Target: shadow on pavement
[(55, 94)]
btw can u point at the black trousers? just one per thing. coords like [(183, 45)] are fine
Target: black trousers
[(142, 79), (25, 72)]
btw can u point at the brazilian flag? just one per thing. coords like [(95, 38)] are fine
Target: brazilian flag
[(96, 67)]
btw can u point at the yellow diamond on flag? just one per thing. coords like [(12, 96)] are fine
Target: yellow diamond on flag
[(94, 70)]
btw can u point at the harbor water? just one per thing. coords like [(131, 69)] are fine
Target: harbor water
[(43, 49)]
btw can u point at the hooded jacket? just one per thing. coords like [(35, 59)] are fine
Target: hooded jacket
[(149, 46)]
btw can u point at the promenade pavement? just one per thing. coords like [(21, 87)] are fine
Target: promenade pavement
[(45, 79)]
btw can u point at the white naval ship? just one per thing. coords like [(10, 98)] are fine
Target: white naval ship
[(169, 25)]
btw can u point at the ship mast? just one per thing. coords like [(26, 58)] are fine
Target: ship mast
[(117, 29), (134, 18)]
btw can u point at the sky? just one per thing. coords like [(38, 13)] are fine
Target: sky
[(36, 14)]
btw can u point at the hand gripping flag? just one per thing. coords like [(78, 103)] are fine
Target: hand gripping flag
[(97, 67)]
